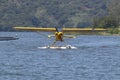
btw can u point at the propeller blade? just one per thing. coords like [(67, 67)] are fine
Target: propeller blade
[(56, 29)]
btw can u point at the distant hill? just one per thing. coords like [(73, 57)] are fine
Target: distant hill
[(50, 13)]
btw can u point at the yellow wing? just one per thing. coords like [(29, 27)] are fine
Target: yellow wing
[(82, 29), (63, 29), (35, 29)]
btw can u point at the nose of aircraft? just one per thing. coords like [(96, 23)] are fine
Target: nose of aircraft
[(59, 36)]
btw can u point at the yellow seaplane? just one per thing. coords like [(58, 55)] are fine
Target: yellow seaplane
[(59, 35)]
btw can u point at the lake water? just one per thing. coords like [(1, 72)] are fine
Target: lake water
[(97, 58)]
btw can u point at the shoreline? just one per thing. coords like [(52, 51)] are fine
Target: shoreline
[(76, 33)]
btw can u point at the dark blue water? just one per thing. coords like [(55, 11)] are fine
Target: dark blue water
[(97, 58)]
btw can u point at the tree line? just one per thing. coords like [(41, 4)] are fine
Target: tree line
[(62, 13), (112, 20)]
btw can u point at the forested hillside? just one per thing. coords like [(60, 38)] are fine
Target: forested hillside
[(50, 13)]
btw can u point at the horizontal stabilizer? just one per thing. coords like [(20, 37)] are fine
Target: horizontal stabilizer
[(49, 36), (69, 36)]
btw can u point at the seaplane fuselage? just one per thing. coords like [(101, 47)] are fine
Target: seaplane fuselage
[(59, 36)]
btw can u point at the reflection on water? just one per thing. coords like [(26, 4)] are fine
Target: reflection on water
[(97, 58)]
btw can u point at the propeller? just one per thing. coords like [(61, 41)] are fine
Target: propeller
[(56, 29), (58, 34)]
